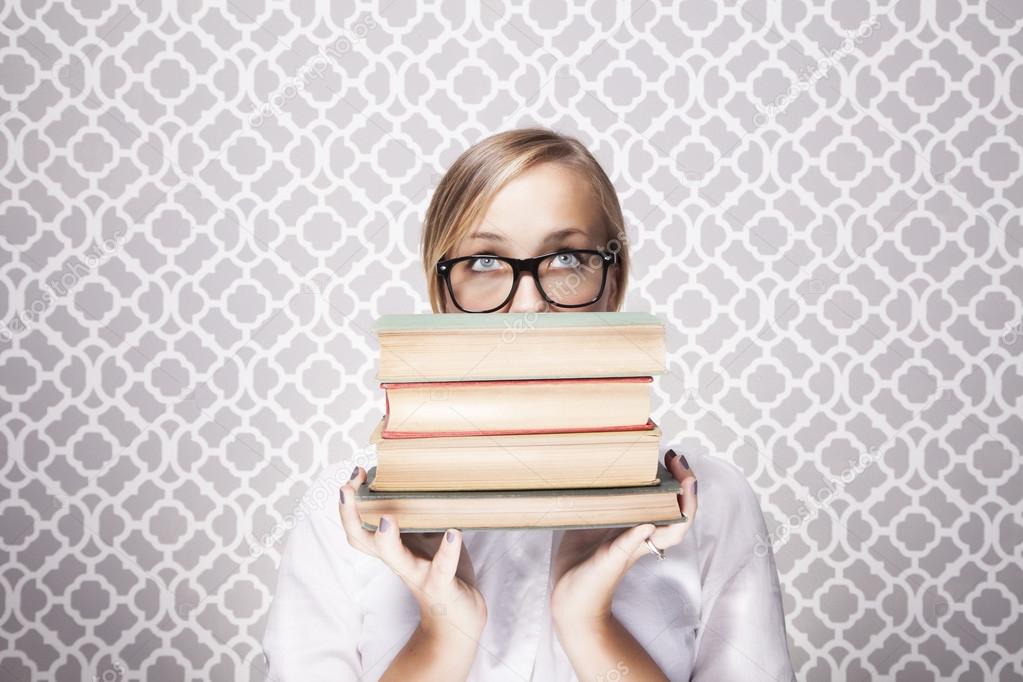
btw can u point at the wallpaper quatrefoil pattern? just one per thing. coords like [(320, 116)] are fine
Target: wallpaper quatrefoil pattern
[(204, 206)]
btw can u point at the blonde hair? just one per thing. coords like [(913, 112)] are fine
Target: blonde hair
[(483, 169)]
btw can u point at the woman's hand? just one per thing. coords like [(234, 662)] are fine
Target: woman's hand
[(439, 573), (587, 569), (590, 563)]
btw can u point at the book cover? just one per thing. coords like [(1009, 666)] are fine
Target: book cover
[(460, 439), (666, 483), (471, 347), (512, 322), (474, 397), (388, 434)]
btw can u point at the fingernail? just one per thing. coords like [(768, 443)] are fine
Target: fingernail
[(685, 463), (449, 536), (355, 472), (694, 487), (668, 456), (383, 524), (342, 496)]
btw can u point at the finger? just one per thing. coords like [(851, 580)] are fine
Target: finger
[(690, 502), (674, 533), (358, 537), (677, 465), (624, 550), (445, 561), (682, 472), (389, 547)]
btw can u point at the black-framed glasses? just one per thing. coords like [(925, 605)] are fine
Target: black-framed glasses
[(567, 278)]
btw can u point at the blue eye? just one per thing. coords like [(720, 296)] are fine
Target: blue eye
[(566, 260), (485, 264)]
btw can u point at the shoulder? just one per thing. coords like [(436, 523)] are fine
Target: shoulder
[(316, 546), (315, 618)]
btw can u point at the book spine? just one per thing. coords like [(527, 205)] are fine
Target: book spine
[(458, 382), (388, 434)]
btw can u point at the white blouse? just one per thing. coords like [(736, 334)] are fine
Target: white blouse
[(711, 611)]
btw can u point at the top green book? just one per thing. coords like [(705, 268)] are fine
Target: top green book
[(479, 347), (414, 322)]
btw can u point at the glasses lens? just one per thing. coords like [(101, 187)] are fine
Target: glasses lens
[(572, 277), (481, 283)]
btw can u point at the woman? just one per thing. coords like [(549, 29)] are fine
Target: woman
[(541, 604)]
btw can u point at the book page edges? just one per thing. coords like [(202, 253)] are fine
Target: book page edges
[(574, 526), (437, 322), (667, 483), (646, 432), (405, 435), (393, 385)]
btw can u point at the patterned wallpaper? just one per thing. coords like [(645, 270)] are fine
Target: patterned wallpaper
[(204, 206)]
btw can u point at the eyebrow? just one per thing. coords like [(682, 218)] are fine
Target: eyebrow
[(489, 236), (557, 235)]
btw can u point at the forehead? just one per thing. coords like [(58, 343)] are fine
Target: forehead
[(548, 202)]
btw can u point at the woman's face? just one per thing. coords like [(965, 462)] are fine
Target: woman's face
[(546, 208)]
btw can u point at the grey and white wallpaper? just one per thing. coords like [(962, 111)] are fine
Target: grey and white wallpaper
[(204, 205)]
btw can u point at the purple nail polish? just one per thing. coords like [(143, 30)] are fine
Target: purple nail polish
[(450, 536), (668, 456), (342, 495), (383, 525), (694, 487), (685, 462), (355, 472)]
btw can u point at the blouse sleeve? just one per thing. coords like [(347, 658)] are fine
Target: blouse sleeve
[(742, 622), (313, 628)]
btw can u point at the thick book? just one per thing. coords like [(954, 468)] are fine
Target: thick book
[(451, 408), (521, 461), (474, 347), (510, 509)]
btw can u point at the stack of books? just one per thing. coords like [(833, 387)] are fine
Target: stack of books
[(518, 420)]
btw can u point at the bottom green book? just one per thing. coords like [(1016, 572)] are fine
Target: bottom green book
[(565, 508)]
